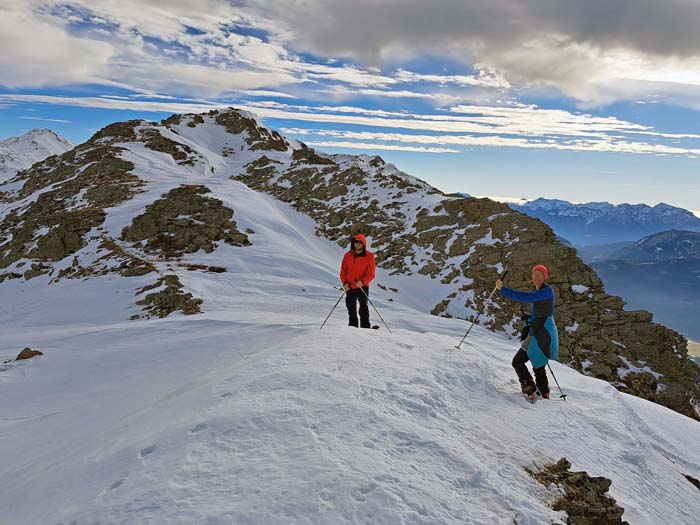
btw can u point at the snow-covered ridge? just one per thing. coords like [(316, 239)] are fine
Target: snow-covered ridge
[(18, 153)]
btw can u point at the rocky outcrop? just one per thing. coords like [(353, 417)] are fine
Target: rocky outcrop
[(111, 259), (72, 192), (257, 137), (584, 497), (28, 353), (181, 153), (168, 298), (184, 221), (694, 481)]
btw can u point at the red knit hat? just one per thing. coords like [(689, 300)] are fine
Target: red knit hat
[(543, 269)]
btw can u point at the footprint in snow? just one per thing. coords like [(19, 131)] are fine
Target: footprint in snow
[(198, 428), (145, 452), (116, 484)]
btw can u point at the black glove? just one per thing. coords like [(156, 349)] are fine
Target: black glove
[(525, 330)]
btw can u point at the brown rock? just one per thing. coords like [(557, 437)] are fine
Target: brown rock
[(28, 353)]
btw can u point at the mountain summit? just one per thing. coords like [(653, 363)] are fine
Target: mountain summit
[(19, 153), (152, 217)]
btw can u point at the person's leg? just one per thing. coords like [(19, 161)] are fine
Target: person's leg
[(364, 309), (519, 360), (541, 380), (351, 303)]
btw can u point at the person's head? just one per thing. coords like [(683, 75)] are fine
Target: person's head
[(539, 275), (359, 243)]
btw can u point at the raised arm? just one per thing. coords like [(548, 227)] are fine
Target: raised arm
[(528, 297)]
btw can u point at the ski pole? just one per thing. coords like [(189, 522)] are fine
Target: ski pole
[(332, 309), (501, 277), (375, 308), (563, 395)]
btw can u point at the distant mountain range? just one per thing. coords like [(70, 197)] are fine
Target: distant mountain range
[(20, 153), (597, 223), (659, 273), (664, 246)]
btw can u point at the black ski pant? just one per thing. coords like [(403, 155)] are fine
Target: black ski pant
[(352, 296), (519, 360)]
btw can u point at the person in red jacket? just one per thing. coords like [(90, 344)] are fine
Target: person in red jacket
[(356, 272)]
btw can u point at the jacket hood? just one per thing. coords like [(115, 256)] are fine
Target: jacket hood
[(362, 238)]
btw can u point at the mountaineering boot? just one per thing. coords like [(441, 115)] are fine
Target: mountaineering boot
[(530, 392)]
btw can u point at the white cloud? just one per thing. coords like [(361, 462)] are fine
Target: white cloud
[(369, 146), (443, 99), (47, 119), (521, 127), (38, 52), (483, 79), (559, 143), (114, 103), (505, 120), (150, 44), (265, 93)]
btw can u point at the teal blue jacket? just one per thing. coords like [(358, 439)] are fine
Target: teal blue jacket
[(544, 343)]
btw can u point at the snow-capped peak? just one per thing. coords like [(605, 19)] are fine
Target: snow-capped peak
[(19, 153)]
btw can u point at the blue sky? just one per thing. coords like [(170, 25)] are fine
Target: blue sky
[(511, 98)]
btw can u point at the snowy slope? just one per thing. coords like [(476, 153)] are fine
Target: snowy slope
[(248, 413), (18, 153)]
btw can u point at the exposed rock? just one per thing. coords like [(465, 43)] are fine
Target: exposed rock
[(28, 353), (169, 299), (584, 498), (77, 186), (172, 120), (9, 275), (154, 140), (113, 259), (193, 119), (306, 155), (693, 480), (258, 138), (184, 221), (205, 268)]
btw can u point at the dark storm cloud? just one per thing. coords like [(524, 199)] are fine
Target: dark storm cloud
[(370, 28)]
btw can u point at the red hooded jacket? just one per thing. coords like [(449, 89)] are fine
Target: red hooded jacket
[(357, 267)]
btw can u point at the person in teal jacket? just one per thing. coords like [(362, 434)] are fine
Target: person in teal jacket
[(542, 340)]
